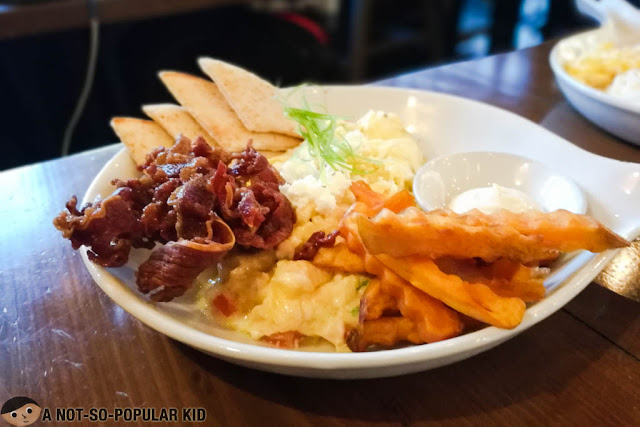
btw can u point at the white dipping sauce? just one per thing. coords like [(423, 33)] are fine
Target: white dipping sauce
[(491, 199)]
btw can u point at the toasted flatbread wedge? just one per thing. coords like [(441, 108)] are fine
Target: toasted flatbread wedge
[(207, 105), (140, 136), (271, 154), (252, 98), (176, 121)]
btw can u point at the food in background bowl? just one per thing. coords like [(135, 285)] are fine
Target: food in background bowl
[(615, 114), (614, 70)]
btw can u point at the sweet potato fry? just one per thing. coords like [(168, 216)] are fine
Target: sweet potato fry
[(340, 258), (414, 232), (473, 299), (369, 203), (434, 321), (457, 298), (376, 201), (390, 293), (426, 261), (375, 303), (399, 201), (386, 331), (349, 227), (506, 278), (528, 290), (442, 233), (509, 279), (561, 229)]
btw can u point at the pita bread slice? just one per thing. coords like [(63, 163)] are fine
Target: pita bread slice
[(252, 98), (140, 136), (272, 154), (176, 120), (205, 103)]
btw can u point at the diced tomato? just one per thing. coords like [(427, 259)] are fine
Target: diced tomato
[(224, 305), (289, 339)]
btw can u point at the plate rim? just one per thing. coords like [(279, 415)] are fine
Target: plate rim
[(484, 339)]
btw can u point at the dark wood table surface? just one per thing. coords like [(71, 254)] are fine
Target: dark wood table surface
[(65, 344)]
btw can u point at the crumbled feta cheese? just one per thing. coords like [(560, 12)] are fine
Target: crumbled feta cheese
[(378, 136)]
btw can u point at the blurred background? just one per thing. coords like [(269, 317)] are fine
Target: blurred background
[(68, 66)]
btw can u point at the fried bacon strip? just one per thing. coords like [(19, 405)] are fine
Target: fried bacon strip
[(171, 268), (249, 200), (308, 250), (109, 227), (197, 200), (526, 238)]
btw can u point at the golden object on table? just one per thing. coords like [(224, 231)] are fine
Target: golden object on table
[(622, 274)]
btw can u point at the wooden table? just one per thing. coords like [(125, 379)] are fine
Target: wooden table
[(65, 344)]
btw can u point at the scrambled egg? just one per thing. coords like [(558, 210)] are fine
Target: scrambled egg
[(275, 294), (302, 297)]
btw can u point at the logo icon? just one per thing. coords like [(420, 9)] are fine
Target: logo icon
[(20, 411)]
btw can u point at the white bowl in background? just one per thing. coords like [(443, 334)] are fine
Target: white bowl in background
[(615, 115)]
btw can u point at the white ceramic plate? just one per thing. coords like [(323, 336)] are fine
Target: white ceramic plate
[(615, 115), (443, 125)]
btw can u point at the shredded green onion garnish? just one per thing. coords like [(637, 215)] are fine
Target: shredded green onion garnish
[(362, 284), (319, 130), (355, 310)]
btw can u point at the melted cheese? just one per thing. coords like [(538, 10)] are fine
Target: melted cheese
[(302, 297)]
